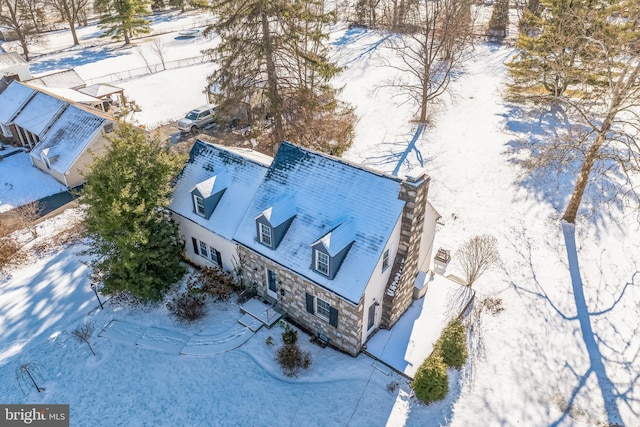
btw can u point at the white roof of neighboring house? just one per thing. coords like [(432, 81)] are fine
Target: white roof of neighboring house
[(328, 192), (69, 137), (38, 114), (243, 170), (59, 79), (12, 100), (74, 96), (100, 90), (10, 60)]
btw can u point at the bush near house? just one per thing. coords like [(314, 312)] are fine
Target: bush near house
[(290, 357), (431, 382), (452, 344), (187, 306)]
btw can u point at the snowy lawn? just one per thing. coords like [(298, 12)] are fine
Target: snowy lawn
[(21, 182), (137, 377), (563, 352)]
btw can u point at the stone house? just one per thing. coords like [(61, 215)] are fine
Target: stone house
[(333, 245)]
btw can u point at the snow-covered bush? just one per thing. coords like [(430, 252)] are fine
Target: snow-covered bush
[(187, 306), (431, 383), (452, 345), (292, 359)]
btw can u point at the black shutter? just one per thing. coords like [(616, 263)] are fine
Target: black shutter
[(310, 303), (219, 258), (195, 245), (333, 317)]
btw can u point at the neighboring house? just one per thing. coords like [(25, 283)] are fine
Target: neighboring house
[(68, 79), (33, 121), (335, 246), (12, 100), (12, 63), (69, 146)]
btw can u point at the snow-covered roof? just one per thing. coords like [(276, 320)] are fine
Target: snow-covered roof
[(338, 238), (100, 90), (282, 209), (244, 170), (59, 79), (9, 60), (12, 99), (73, 96), (69, 137), (328, 192), (213, 185), (38, 114)]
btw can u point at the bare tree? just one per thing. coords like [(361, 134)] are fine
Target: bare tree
[(14, 17), (159, 49), (477, 255), (34, 9), (441, 34), (83, 333), (142, 55), (73, 12), (28, 215), (604, 99)]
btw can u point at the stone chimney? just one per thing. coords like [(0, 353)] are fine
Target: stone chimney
[(399, 291)]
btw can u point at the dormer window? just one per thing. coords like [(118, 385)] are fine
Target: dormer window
[(198, 202), (322, 262), (265, 234), (331, 249), (208, 193), (272, 224)]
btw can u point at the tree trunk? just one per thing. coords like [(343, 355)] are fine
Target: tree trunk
[(127, 39), (72, 26), (272, 81), (571, 211)]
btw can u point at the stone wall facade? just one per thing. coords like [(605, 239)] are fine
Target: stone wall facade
[(291, 296), (399, 292)]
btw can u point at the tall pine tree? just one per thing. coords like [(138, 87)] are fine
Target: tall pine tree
[(122, 19), (583, 56), (273, 54), (136, 244)]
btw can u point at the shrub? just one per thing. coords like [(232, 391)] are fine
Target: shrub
[(187, 306), (452, 344), (289, 336), (431, 383), (216, 282), (291, 359)]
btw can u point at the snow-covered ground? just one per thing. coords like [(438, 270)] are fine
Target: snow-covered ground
[(563, 352), (21, 182)]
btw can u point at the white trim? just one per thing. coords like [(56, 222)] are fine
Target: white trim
[(322, 262), (320, 312), (196, 206), (265, 233)]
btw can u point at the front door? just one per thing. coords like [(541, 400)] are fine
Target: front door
[(372, 316), (272, 289)]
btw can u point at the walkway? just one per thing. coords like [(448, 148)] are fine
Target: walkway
[(174, 342)]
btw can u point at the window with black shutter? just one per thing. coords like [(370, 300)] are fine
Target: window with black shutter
[(195, 245)]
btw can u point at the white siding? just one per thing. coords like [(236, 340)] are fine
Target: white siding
[(378, 282), (189, 229), (428, 234)]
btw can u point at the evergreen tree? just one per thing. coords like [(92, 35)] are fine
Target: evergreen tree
[(137, 245), (122, 19), (273, 54), (583, 55)]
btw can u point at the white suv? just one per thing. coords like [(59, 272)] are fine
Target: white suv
[(197, 118)]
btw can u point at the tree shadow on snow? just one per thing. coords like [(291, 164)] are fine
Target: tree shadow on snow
[(80, 57), (396, 155), (541, 147), (612, 352)]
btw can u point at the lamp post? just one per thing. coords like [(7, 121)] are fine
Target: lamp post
[(95, 290)]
